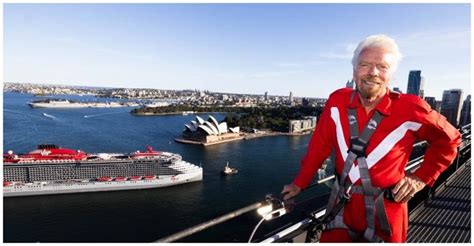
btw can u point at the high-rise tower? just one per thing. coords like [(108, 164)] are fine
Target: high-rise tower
[(451, 105), (415, 83), (466, 111)]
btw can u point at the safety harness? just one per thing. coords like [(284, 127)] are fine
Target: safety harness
[(343, 188)]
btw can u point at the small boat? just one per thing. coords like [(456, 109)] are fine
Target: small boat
[(120, 178), (135, 178), (149, 177), (229, 170), (104, 179)]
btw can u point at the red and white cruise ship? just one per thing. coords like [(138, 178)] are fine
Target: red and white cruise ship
[(54, 170)]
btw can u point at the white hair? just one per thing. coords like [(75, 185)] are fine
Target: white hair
[(382, 41)]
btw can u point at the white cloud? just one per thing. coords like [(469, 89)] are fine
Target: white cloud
[(105, 50), (275, 73), (289, 64), (434, 42), (346, 55)]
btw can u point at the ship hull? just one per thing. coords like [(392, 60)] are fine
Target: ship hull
[(51, 188)]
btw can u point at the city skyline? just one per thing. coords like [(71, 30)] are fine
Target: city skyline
[(231, 48)]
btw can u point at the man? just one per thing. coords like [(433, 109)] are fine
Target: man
[(371, 164)]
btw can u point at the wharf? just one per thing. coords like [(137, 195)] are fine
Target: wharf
[(185, 141), (245, 136), (447, 217)]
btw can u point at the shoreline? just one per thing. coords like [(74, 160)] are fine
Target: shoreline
[(175, 113), (246, 136)]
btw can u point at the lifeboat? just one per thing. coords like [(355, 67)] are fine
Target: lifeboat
[(120, 178), (7, 183), (135, 178), (104, 179), (149, 177)]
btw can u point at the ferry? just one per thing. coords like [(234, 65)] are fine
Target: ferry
[(64, 103)]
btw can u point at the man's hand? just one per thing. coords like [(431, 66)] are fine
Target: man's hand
[(407, 188), (290, 190)]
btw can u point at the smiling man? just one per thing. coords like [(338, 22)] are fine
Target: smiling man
[(372, 131)]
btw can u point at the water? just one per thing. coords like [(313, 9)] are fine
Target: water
[(264, 164)]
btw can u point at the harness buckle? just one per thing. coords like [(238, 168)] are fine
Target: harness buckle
[(346, 194), (358, 147)]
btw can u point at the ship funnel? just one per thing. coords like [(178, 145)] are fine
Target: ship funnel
[(150, 149)]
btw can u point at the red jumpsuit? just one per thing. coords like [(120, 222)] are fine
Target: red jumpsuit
[(407, 118)]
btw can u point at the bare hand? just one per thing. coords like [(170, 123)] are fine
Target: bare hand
[(290, 190), (406, 188)]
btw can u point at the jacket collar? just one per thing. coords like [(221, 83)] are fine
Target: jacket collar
[(384, 107)]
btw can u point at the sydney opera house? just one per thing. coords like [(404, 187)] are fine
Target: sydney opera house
[(209, 131)]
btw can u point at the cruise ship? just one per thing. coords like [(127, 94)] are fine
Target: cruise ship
[(64, 103), (54, 170)]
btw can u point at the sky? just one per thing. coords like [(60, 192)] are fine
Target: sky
[(233, 48)]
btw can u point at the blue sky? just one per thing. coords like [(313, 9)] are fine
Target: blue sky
[(237, 48)]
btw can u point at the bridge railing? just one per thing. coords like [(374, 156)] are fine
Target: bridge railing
[(288, 232)]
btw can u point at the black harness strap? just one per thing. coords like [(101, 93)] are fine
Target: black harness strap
[(343, 188)]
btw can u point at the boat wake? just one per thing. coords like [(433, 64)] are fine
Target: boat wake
[(96, 115), (49, 116)]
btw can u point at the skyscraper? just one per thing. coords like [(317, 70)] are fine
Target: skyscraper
[(451, 105), (415, 83), (291, 96), (422, 86), (397, 89), (432, 102), (466, 111), (266, 95), (350, 84)]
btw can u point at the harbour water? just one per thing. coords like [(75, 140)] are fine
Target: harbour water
[(264, 164)]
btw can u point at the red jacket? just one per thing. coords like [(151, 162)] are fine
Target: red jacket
[(407, 118)]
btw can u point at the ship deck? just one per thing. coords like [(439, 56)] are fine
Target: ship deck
[(447, 217)]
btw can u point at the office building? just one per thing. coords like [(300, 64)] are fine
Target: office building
[(432, 102), (451, 105), (397, 89), (415, 83), (466, 111), (350, 84)]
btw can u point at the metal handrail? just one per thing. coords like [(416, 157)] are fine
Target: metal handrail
[(318, 213), (213, 222)]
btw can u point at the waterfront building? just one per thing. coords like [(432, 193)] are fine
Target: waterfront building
[(308, 123), (451, 105), (415, 83), (305, 101), (466, 111)]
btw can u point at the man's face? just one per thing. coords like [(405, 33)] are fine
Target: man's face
[(373, 72)]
